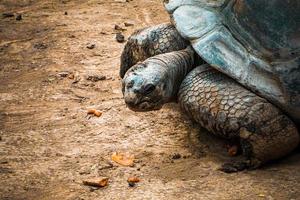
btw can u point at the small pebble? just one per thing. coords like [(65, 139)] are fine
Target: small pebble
[(131, 184), (128, 24), (40, 46), (96, 78), (91, 46), (19, 17), (119, 28), (63, 74), (71, 76), (120, 37), (176, 156)]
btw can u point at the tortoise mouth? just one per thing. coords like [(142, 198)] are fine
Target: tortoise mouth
[(145, 106)]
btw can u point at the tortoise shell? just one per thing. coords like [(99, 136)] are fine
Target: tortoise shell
[(256, 42)]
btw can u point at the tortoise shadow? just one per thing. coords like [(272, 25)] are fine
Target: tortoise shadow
[(202, 142)]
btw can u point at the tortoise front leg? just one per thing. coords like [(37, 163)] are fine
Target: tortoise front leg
[(149, 42), (229, 110)]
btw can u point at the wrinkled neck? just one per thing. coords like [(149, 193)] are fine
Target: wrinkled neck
[(174, 67)]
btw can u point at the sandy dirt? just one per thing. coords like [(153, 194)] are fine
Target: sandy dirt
[(49, 145)]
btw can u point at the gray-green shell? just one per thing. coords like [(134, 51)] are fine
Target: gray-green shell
[(256, 42)]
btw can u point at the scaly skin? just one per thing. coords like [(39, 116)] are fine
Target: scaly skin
[(229, 110), (212, 99), (149, 42), (156, 81)]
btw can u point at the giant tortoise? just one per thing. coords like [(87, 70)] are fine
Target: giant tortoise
[(233, 66)]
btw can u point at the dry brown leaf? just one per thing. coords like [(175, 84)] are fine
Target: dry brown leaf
[(91, 111), (133, 179), (97, 113), (99, 182), (233, 150), (123, 159), (94, 112)]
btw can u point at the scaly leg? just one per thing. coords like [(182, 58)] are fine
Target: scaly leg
[(229, 110)]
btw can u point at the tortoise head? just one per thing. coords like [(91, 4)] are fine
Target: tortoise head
[(146, 87)]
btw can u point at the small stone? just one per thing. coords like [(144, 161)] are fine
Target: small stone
[(176, 156), (128, 24), (119, 28), (71, 76), (99, 182), (19, 17), (131, 184), (66, 13), (120, 37), (233, 167), (227, 168), (91, 46), (76, 79), (92, 189), (40, 46), (84, 171), (96, 78), (63, 74)]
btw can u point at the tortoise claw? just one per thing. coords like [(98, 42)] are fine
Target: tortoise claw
[(235, 166)]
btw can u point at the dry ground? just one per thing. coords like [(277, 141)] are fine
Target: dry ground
[(48, 144)]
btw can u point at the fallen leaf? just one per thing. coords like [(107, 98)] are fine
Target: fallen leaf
[(94, 112), (91, 111), (97, 113), (123, 159), (132, 181), (233, 150), (99, 182)]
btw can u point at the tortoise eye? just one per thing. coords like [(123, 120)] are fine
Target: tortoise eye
[(149, 88)]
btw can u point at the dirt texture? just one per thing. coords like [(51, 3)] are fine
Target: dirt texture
[(60, 59)]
